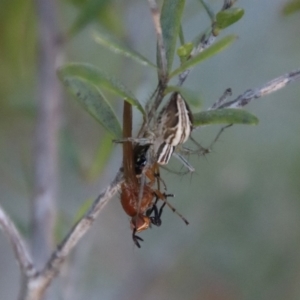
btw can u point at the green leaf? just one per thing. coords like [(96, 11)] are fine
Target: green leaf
[(100, 11), (101, 159), (205, 54), (89, 12), (208, 9), (94, 102), (122, 50), (95, 76), (191, 97), (59, 227), (291, 7), (228, 17), (70, 152), (181, 36), (170, 19), (224, 116)]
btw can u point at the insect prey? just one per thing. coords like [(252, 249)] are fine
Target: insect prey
[(142, 210), (138, 200)]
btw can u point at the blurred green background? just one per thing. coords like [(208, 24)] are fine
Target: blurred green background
[(243, 202)]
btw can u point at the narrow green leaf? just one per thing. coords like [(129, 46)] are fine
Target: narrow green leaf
[(224, 116), (191, 97), (291, 7), (122, 50), (96, 77), (205, 54), (170, 19), (101, 158), (59, 227), (228, 17), (94, 102), (208, 9), (89, 12), (70, 152), (181, 36)]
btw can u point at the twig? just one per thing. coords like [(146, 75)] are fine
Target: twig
[(36, 284), (79, 229), (227, 93), (208, 10), (161, 47), (204, 42), (163, 70), (20, 249), (207, 38), (268, 88), (251, 94), (228, 3)]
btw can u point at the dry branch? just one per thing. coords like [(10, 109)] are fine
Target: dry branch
[(20, 249), (35, 283), (268, 88)]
